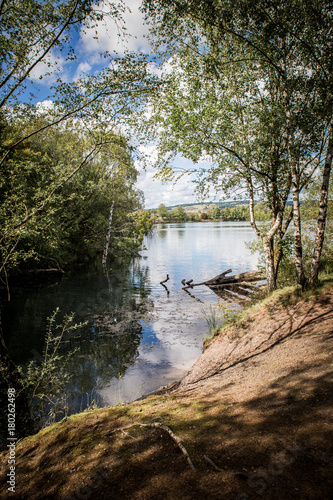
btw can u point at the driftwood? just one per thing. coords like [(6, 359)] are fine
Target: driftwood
[(238, 296), (164, 281), (49, 270), (234, 288), (222, 279), (164, 286)]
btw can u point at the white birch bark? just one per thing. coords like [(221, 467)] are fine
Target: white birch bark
[(321, 221), (301, 279), (108, 235), (267, 240)]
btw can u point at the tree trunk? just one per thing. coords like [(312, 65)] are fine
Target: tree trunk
[(108, 235), (11, 379), (278, 250), (268, 242), (321, 221), (269, 261), (301, 279)]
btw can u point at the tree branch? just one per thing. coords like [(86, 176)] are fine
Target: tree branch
[(167, 429)]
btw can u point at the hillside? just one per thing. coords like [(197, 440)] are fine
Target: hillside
[(210, 205), (254, 415)]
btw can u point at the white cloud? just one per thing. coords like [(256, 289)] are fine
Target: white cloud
[(44, 106), (49, 69), (83, 67), (165, 69), (156, 191), (109, 34), (168, 193)]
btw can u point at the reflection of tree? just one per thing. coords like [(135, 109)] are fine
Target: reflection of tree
[(102, 357), (111, 305), (123, 295), (180, 233), (162, 232)]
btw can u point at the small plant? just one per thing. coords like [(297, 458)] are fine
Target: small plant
[(46, 378), (214, 321), (211, 320), (227, 312), (93, 402)]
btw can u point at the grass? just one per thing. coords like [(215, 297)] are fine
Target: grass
[(288, 295)]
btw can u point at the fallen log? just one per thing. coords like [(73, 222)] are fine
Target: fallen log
[(220, 276), (233, 295), (247, 284), (222, 279)]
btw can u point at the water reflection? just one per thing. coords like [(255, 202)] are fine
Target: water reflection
[(139, 334)]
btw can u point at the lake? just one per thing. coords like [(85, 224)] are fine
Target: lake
[(139, 335)]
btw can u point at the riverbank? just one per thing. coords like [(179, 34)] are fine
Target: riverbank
[(254, 415)]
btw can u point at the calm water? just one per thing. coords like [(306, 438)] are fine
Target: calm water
[(139, 334)]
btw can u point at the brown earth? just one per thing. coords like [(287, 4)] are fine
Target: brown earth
[(254, 414)]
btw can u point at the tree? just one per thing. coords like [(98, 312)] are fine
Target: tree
[(93, 99), (286, 41), (309, 212), (162, 211), (225, 117), (217, 213), (72, 225), (49, 195), (179, 214)]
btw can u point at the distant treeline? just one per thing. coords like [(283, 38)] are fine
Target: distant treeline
[(237, 213), (201, 212)]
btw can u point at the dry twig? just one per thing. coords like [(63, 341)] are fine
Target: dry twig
[(212, 463)]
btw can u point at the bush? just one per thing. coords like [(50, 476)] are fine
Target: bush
[(46, 377)]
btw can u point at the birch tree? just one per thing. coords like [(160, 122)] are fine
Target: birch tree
[(292, 39)]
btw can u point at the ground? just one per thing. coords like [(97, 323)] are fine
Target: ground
[(254, 415)]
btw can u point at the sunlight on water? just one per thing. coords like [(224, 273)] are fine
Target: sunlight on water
[(182, 251)]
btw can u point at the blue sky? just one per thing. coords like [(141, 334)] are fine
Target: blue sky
[(87, 50)]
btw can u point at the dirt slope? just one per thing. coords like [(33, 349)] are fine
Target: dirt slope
[(254, 414)]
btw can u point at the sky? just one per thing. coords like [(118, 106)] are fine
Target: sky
[(87, 50)]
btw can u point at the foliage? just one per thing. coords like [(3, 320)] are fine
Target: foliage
[(179, 214), (235, 213), (29, 48), (46, 380), (129, 231), (216, 213), (52, 217), (262, 212), (211, 320), (162, 211), (56, 187), (309, 207)]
